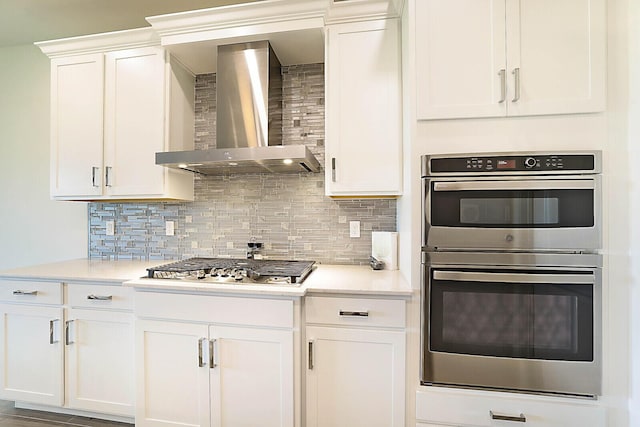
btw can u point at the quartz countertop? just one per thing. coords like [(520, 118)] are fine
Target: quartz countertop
[(83, 270), (325, 279)]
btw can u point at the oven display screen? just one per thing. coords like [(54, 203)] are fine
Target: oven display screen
[(506, 164)]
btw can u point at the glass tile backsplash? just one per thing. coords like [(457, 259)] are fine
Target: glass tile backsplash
[(288, 213)]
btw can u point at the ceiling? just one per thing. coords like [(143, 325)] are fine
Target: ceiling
[(27, 21)]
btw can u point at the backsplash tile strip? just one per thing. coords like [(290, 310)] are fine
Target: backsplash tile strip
[(289, 213)]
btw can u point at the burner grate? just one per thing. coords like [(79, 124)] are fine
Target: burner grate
[(296, 271)]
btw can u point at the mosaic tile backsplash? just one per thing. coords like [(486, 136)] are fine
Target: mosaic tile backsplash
[(288, 213)]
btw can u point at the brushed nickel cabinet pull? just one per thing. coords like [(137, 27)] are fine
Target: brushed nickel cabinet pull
[(94, 174), (310, 355), (107, 177), (333, 169), (67, 339), (51, 338), (354, 313), (212, 354), (100, 297), (21, 292), (518, 419), (503, 85), (200, 357), (516, 80)]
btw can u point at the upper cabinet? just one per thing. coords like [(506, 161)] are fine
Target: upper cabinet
[(363, 109), (116, 100), (492, 58)]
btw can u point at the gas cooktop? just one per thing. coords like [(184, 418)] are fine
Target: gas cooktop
[(238, 271)]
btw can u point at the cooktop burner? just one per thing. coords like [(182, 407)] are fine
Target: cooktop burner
[(229, 270)]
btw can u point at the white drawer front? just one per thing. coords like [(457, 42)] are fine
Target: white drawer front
[(475, 408), (215, 309), (32, 292), (100, 296), (356, 311)]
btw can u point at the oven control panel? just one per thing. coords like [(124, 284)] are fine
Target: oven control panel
[(516, 163)]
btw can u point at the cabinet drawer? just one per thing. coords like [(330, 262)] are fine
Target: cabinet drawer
[(355, 311), (31, 292), (100, 296), (475, 408)]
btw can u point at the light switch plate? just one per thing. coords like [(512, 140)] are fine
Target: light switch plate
[(111, 228), (170, 228)]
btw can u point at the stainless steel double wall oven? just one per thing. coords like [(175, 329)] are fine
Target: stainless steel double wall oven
[(512, 283)]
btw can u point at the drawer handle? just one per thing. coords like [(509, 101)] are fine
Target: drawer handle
[(21, 292), (519, 419), (354, 313), (100, 297)]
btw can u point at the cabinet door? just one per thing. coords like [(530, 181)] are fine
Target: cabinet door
[(100, 360), (460, 58), (252, 377), (363, 123), (134, 121), (172, 386), (355, 377), (76, 125), (31, 354), (558, 48)]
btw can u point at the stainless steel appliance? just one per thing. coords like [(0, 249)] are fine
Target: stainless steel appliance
[(512, 283), (235, 271), (513, 201), (249, 119)]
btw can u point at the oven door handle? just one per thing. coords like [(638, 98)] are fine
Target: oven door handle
[(519, 278), (559, 184)]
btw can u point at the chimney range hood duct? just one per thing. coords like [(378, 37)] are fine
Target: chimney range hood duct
[(249, 119)]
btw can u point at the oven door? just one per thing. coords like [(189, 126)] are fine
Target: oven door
[(515, 328), (512, 213)]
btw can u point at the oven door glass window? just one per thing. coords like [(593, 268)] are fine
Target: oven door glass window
[(513, 208), (472, 314)]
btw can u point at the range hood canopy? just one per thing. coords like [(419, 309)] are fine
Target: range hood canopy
[(249, 119)]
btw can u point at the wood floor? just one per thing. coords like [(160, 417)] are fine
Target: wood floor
[(13, 417)]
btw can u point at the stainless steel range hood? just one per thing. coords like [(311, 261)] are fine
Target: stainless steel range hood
[(249, 119)]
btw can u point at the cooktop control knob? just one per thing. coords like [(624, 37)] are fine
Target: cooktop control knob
[(530, 162)]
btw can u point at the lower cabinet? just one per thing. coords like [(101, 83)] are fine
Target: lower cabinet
[(31, 354), (194, 372), (355, 362), (73, 352), (99, 371)]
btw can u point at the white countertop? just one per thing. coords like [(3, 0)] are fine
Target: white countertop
[(83, 270), (325, 279)]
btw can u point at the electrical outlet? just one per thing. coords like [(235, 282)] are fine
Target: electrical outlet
[(354, 228), (170, 228), (111, 228)]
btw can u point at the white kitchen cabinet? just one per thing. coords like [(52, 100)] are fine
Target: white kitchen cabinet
[(99, 345), (355, 362), (251, 365), (197, 372), (454, 407), (111, 112), (67, 346), (172, 380), (363, 109), (31, 347), (77, 108), (493, 58)]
